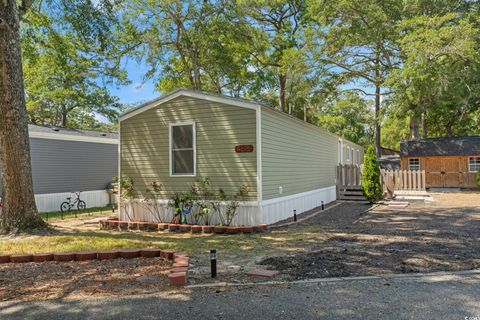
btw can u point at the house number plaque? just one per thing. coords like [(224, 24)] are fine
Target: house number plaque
[(242, 148)]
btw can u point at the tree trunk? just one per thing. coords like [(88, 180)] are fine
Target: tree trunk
[(424, 124), (378, 147), (64, 116), (19, 209), (414, 131), (282, 81)]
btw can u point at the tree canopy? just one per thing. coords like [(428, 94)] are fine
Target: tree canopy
[(410, 67), (69, 61)]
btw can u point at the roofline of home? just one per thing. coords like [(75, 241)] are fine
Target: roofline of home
[(71, 137), (220, 99), (188, 93)]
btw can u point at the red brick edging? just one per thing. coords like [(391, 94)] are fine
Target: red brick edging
[(178, 272), (184, 228)]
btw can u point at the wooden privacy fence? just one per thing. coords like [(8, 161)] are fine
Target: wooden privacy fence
[(393, 180)]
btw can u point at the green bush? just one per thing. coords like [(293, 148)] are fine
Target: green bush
[(372, 188)]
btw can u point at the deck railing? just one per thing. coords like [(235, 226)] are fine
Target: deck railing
[(349, 180)]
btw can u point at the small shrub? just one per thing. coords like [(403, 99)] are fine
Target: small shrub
[(127, 188), (127, 192), (229, 211), (182, 205), (372, 187), (152, 195), (202, 196)]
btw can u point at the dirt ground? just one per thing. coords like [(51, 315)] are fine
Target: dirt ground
[(67, 280), (424, 237)]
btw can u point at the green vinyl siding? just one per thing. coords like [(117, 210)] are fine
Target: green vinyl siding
[(144, 142), (295, 155)]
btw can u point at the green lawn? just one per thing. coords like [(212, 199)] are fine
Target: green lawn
[(238, 246)]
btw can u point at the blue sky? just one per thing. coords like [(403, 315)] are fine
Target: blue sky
[(138, 90)]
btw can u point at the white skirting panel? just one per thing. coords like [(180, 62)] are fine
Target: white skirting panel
[(51, 201), (139, 210), (278, 209)]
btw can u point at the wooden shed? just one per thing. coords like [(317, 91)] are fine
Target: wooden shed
[(450, 162)]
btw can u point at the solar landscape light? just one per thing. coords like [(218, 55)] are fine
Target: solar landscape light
[(213, 263)]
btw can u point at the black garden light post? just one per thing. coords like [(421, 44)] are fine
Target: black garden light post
[(294, 215), (213, 263)]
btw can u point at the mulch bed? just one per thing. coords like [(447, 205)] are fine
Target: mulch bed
[(54, 280)]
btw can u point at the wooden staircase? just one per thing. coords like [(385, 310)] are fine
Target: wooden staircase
[(351, 194), (349, 178)]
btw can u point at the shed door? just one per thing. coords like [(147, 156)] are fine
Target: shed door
[(444, 172), (452, 171), (433, 170)]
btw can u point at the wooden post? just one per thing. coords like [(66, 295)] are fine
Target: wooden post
[(424, 185), (414, 180)]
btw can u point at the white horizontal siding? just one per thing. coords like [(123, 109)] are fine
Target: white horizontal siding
[(278, 209), (138, 210), (50, 202)]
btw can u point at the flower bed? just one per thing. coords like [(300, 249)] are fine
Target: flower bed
[(181, 228)]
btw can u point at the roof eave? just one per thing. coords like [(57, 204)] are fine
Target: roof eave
[(186, 93)]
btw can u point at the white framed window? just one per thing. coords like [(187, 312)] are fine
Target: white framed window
[(183, 149), (352, 153), (474, 164), (358, 156), (348, 153), (413, 164)]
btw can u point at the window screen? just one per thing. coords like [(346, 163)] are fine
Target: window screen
[(474, 164), (414, 164), (183, 149)]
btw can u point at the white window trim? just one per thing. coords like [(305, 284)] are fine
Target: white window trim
[(340, 151), (469, 165), (348, 153), (170, 144), (409, 159), (358, 156)]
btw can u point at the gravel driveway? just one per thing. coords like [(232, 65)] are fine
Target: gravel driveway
[(419, 238)]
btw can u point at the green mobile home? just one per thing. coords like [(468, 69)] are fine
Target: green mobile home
[(184, 136)]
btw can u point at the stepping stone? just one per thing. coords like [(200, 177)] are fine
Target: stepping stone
[(395, 204), (262, 273)]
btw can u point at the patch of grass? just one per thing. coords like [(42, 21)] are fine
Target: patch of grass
[(236, 246), (63, 238), (48, 216)]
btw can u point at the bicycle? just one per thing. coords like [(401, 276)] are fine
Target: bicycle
[(68, 205)]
